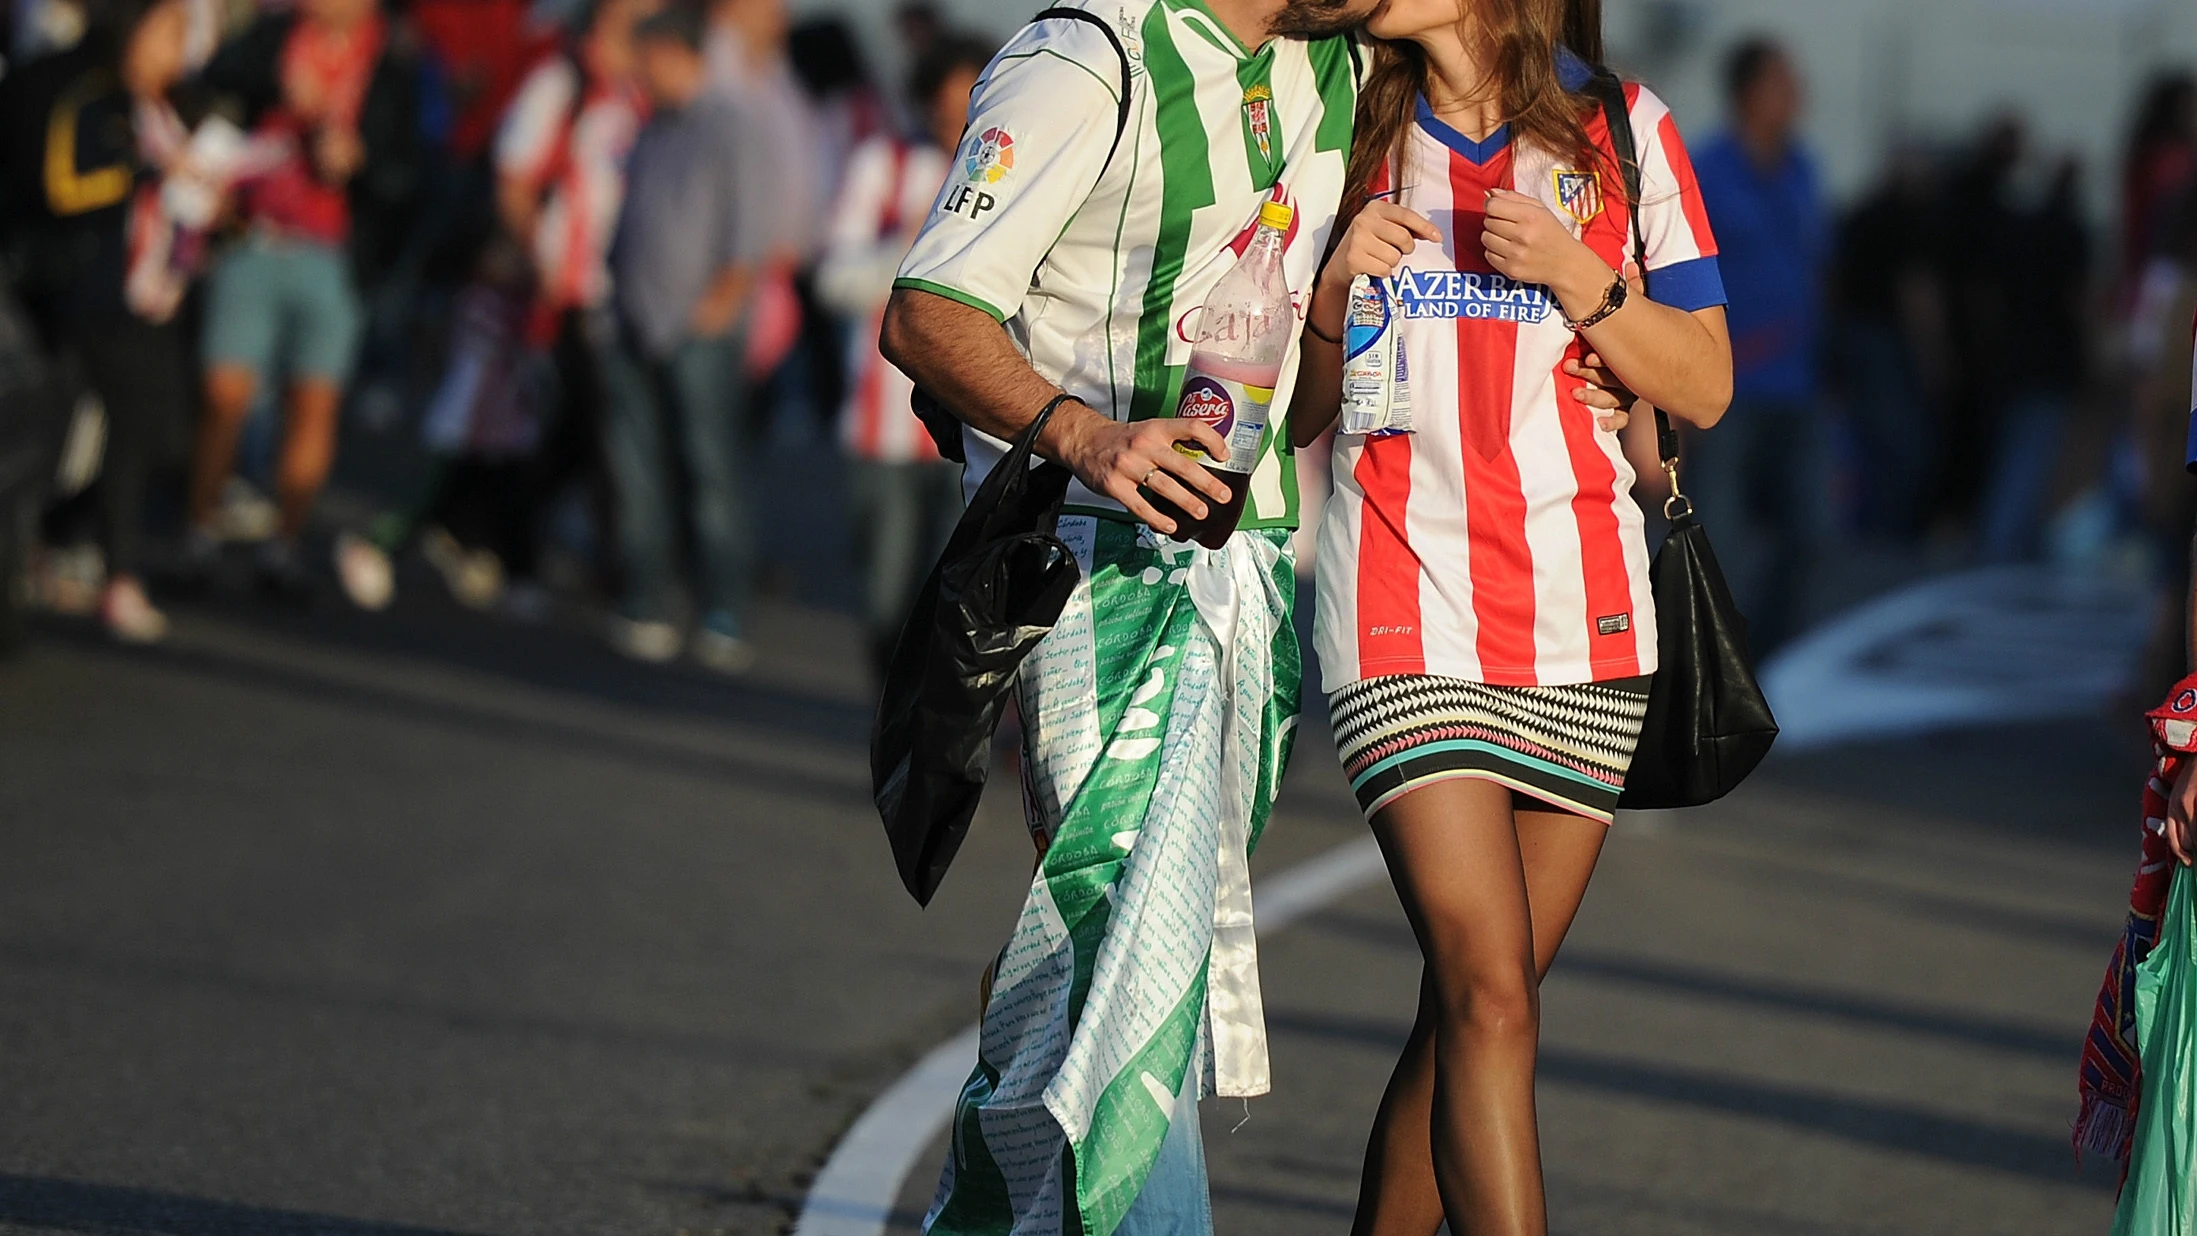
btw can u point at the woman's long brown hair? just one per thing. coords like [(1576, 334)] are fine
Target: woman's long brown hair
[(1521, 38)]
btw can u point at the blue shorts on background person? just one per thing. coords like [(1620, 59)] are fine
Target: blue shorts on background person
[(280, 306)]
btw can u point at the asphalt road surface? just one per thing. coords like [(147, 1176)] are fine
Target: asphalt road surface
[(425, 924)]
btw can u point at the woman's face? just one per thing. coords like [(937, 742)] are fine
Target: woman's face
[(1413, 19)]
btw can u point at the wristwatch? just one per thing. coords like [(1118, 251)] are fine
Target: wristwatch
[(1612, 301)]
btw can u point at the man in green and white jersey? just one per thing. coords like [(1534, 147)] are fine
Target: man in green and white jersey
[(1158, 713)]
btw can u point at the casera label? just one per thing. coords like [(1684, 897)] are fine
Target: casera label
[(1231, 409)]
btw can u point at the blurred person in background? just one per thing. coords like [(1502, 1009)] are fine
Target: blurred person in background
[(690, 242), (560, 169), (1980, 284), (2160, 165), (85, 135), (846, 111), (903, 498), (335, 86), (917, 27), (2159, 357), (1758, 472), (748, 63), (2047, 322), (1889, 297), (476, 510)]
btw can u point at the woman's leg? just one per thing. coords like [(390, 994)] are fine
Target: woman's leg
[(1398, 1195)]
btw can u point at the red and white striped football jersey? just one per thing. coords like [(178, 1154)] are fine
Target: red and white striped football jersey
[(887, 192), (1499, 541)]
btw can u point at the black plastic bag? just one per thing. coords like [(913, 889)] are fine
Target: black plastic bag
[(998, 589), (1708, 723)]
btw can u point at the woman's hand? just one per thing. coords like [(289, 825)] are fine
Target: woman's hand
[(1603, 392), (1527, 242), (1376, 243)]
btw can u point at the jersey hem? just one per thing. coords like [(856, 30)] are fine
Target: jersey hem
[(1573, 675), (950, 293), (1121, 516)]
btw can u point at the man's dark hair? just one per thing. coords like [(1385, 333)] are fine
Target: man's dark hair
[(1748, 62), (949, 54), (681, 22)]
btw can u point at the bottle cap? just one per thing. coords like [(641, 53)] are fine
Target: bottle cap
[(1277, 215)]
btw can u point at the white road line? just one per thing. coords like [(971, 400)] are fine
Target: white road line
[(1988, 646), (854, 1194)]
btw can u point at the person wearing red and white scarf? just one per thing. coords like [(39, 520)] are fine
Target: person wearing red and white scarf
[(904, 497), (2111, 1076)]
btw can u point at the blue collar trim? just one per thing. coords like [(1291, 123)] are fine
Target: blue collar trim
[(1479, 152), (1572, 72)]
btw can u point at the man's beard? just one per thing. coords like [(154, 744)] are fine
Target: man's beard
[(1315, 19)]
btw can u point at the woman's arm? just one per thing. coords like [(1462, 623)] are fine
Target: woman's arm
[(1375, 244), (1681, 362)]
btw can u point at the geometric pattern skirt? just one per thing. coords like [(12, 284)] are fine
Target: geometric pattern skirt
[(1569, 747)]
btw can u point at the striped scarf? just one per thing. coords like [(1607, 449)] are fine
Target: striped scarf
[(2111, 1079)]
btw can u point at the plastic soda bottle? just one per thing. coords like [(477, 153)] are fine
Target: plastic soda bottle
[(1244, 333)]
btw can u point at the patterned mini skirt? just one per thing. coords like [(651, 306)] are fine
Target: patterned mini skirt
[(1569, 747)]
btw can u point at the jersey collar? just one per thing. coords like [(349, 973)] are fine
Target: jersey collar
[(1479, 152), (1571, 72), (1204, 17)]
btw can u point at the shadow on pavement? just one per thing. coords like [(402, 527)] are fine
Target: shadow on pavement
[(113, 1210), (1886, 1126), (537, 731), (1989, 1032)]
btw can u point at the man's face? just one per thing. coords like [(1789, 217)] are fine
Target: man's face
[(671, 72), (1318, 19), (1773, 102)]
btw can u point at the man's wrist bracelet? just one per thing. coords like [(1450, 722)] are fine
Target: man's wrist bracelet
[(1319, 334), (1612, 300)]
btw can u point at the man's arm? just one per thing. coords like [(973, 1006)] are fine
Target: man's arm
[(965, 360)]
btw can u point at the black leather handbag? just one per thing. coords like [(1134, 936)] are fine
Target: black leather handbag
[(1708, 721), (997, 590)]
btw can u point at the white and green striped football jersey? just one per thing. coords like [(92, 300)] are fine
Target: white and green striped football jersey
[(1098, 265)]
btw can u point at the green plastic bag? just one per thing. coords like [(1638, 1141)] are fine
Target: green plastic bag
[(2160, 1197)]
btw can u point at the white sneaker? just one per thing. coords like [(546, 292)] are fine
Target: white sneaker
[(364, 571), (652, 642), (727, 654), (128, 616)]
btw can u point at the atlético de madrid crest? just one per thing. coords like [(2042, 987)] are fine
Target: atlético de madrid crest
[(1580, 194), (1258, 114)]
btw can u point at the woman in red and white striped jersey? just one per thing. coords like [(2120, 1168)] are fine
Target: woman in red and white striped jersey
[(1486, 627)]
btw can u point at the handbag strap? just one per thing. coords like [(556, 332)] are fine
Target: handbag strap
[(1001, 494), (1608, 89)]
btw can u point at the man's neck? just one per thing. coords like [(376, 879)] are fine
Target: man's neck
[(1249, 20), (1766, 148)]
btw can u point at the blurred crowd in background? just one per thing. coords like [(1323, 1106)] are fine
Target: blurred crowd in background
[(582, 258)]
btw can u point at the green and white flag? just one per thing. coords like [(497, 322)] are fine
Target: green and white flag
[(1158, 717)]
